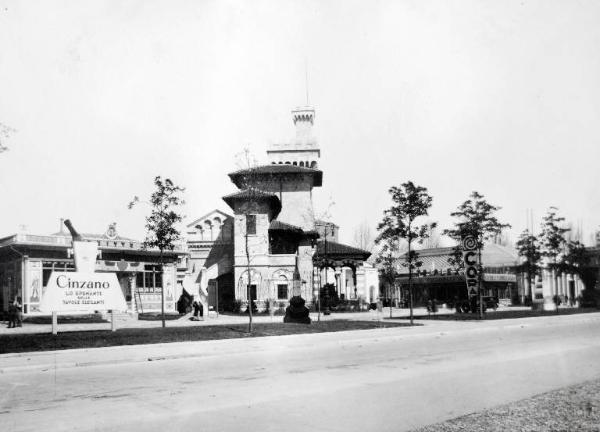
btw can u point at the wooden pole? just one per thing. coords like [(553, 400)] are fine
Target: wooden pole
[(54, 323), (113, 323)]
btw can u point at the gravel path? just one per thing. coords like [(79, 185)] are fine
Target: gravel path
[(574, 408)]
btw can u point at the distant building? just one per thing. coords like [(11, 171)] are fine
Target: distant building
[(438, 279), (502, 278)]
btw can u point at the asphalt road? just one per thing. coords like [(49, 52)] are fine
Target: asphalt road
[(384, 380)]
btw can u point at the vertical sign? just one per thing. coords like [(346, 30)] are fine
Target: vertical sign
[(469, 246), (33, 285), (168, 283)]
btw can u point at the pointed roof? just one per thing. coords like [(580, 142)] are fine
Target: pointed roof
[(207, 215)]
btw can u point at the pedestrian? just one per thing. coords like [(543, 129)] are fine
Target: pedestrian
[(181, 304), (12, 315), (198, 310), (18, 304)]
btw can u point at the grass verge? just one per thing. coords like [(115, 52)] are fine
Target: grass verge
[(136, 336), (66, 319), (573, 408)]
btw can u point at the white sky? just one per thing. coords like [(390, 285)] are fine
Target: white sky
[(502, 97)]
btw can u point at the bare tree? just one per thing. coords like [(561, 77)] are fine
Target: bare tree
[(252, 181), (433, 237), (363, 236), (5, 133)]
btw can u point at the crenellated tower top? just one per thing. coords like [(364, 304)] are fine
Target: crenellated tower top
[(303, 149)]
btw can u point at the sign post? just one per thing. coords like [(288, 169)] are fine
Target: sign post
[(471, 261), (54, 323)]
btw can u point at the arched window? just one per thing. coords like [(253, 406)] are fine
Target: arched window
[(208, 230), (280, 162), (294, 163), (313, 164), (302, 163), (287, 162)]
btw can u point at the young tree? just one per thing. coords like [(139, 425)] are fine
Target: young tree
[(552, 236), (476, 218), (553, 242), (386, 260), (573, 259), (162, 232), (410, 202), (528, 248)]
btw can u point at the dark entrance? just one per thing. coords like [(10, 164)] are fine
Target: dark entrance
[(572, 290)]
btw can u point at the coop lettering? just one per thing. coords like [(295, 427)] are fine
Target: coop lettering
[(470, 258), (66, 282)]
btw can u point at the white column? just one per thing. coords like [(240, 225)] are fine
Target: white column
[(337, 275), (548, 289)]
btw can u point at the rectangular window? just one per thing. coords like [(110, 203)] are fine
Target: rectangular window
[(148, 280), (282, 292), (250, 224)]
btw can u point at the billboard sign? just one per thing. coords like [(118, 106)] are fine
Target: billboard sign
[(470, 259), (82, 292)]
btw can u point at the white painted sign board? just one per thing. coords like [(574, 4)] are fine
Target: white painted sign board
[(82, 292)]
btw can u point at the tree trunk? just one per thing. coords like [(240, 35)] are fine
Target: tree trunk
[(162, 291), (479, 280), (410, 293), (248, 285), (530, 283)]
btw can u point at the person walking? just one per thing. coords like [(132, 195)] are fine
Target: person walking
[(198, 310), (18, 304), (12, 315)]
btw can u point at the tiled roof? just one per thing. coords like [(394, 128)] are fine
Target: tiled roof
[(238, 177), (492, 256), (322, 222), (254, 194), (250, 193), (339, 250), (282, 226)]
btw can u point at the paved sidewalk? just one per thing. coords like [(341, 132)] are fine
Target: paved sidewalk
[(213, 320)]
